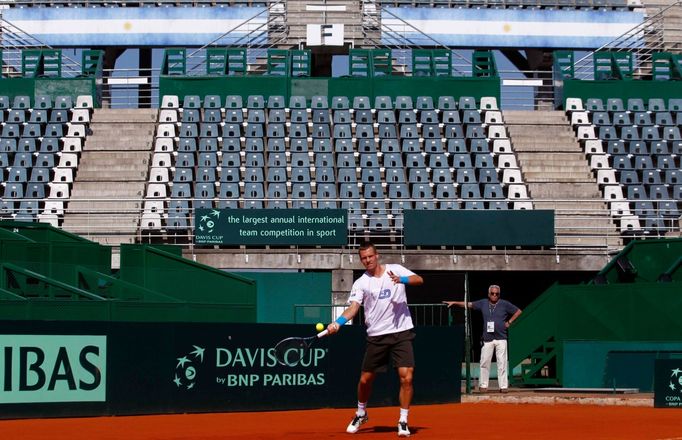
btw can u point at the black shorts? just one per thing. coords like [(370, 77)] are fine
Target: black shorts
[(396, 347)]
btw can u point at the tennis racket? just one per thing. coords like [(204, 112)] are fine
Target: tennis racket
[(290, 351)]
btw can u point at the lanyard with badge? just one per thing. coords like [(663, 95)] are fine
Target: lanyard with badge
[(490, 325)]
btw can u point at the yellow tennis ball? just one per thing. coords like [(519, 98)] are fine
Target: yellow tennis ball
[(319, 327)]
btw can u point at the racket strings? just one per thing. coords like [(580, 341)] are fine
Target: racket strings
[(291, 351)]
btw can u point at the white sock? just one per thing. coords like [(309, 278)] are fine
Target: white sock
[(361, 408), (403, 414)]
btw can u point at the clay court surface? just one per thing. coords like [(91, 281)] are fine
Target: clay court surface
[(481, 421)]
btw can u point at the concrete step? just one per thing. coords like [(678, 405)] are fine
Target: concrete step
[(522, 117), (143, 143), (107, 189), (124, 115), (556, 177), (588, 241), (114, 205), (95, 175), (553, 157), (564, 190), (113, 157), (573, 208)]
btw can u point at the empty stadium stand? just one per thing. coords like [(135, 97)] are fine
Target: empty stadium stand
[(375, 159), (40, 147), (634, 151)]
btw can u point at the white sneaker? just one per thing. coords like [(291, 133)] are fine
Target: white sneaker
[(355, 424), (403, 430)]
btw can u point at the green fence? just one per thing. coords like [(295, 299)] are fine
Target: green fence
[(345, 86)]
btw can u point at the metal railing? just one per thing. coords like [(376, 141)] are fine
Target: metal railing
[(642, 41), (437, 315)]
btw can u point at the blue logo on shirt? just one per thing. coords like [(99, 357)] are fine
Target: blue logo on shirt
[(386, 293)]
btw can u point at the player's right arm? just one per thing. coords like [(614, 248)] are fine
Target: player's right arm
[(346, 316), (459, 304)]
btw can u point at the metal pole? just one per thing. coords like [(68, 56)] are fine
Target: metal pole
[(467, 334)]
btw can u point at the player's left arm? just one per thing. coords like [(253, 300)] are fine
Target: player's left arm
[(412, 280)]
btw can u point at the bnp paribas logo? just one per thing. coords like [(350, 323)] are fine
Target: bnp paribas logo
[(187, 368), (208, 222), (675, 380)]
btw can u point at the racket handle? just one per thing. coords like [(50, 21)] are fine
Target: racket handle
[(323, 333)]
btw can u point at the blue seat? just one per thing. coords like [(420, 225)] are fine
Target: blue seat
[(454, 131), (428, 117), (253, 195), (343, 146), (183, 175), (276, 101), (340, 103), (447, 196), (24, 160), (346, 175), (407, 117), (228, 196), (380, 103), (231, 174), (414, 160), (49, 145), (447, 103), (21, 102), (257, 116), (191, 102), (299, 116), (628, 177), (615, 105), (650, 177), (342, 117), (386, 117), (206, 174), (390, 145), (212, 102), (364, 117), (319, 102), (301, 196), (255, 102), (17, 174), (424, 103), (181, 190), (233, 102), (367, 145), (26, 145), (190, 115), (16, 116), (322, 145), (321, 116), (387, 131)]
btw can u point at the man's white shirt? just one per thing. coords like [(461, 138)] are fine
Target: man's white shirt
[(384, 301)]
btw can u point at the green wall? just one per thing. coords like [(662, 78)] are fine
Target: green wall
[(344, 86), (626, 89), (278, 292), (32, 87)]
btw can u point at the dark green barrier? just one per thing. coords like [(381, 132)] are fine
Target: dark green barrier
[(668, 383), (95, 368), (325, 227), (622, 89), (186, 280), (344, 86), (479, 228)]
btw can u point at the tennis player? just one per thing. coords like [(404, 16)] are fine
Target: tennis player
[(381, 291)]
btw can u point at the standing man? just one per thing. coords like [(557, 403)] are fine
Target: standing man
[(381, 291), (498, 315)]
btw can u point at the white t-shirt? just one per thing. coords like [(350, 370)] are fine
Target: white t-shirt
[(385, 302)]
